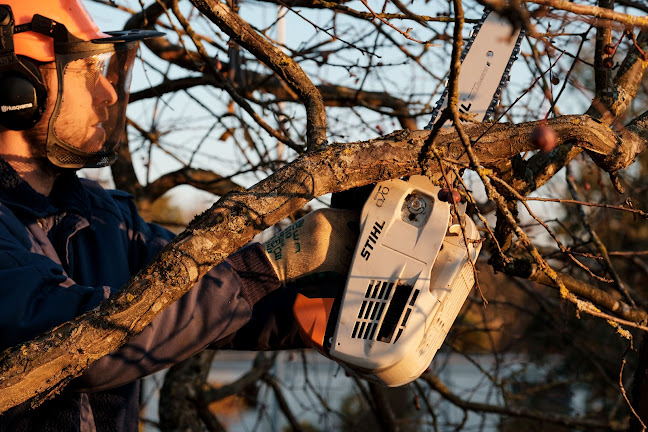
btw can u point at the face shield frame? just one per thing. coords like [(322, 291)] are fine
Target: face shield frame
[(112, 78), (117, 46)]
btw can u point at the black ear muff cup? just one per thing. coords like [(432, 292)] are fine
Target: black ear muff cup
[(22, 96), (19, 107)]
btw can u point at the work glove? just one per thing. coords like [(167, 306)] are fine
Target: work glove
[(323, 241)]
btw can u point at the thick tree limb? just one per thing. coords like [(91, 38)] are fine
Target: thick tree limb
[(47, 363)]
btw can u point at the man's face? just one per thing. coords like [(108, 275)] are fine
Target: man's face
[(85, 113), (87, 95)]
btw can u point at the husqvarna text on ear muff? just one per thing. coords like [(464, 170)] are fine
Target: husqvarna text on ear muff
[(23, 95)]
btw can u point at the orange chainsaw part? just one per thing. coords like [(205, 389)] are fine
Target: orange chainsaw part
[(312, 315)]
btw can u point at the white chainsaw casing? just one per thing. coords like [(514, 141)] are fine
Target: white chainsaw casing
[(409, 277)]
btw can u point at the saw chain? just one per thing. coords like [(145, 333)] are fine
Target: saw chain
[(486, 61)]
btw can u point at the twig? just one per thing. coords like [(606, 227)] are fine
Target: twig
[(319, 28), (618, 283), (562, 247), (405, 34), (625, 396), (462, 225)]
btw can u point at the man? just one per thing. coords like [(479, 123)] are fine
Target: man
[(66, 244)]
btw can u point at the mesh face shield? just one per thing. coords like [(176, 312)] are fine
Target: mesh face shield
[(89, 81), (89, 114)]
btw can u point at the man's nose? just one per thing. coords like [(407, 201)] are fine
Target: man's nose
[(104, 92)]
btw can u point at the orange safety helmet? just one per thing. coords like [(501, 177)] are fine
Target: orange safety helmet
[(71, 13)]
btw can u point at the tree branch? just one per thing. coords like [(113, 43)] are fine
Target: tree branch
[(43, 366), (594, 11), (282, 65), (283, 403), (595, 295), (581, 10), (262, 364), (332, 95), (435, 383), (200, 179)]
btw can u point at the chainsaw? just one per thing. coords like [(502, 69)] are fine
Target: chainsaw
[(413, 266)]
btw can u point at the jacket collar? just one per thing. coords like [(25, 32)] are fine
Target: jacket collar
[(67, 194)]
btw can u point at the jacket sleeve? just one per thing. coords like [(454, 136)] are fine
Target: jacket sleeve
[(219, 305), (36, 294)]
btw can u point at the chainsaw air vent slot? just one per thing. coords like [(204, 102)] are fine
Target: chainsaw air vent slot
[(407, 314), (362, 308), (370, 314), (371, 310), (413, 298), (397, 306)]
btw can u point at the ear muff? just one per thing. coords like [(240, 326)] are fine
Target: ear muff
[(23, 96), (22, 93)]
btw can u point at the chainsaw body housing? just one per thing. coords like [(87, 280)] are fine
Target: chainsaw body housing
[(409, 277)]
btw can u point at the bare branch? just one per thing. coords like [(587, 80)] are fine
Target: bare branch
[(597, 296), (262, 364), (201, 179), (275, 59), (232, 222), (594, 11), (283, 404), (600, 13), (435, 383)]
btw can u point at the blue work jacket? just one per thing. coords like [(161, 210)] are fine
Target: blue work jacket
[(61, 255)]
